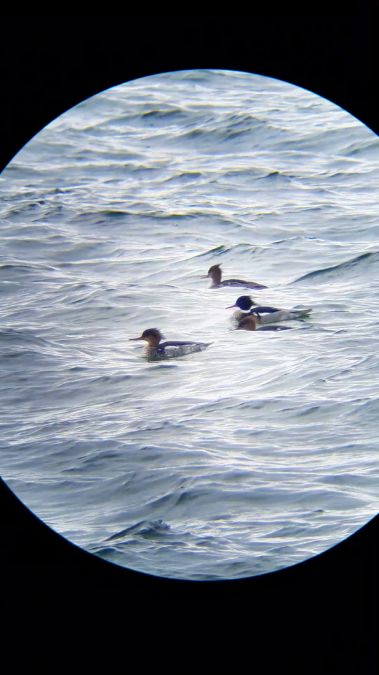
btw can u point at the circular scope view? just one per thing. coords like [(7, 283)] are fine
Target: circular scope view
[(189, 316)]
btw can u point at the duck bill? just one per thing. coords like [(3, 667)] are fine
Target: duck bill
[(133, 339), (204, 276), (230, 306)]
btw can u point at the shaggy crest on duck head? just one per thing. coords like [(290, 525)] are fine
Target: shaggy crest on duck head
[(244, 302), (152, 336), (215, 273)]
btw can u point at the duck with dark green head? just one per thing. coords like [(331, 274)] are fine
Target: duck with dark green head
[(247, 306)]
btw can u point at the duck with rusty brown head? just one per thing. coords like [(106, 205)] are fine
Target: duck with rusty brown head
[(215, 274), (156, 349), (250, 321)]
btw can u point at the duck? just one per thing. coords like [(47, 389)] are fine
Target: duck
[(215, 273), (157, 349), (249, 322), (266, 314)]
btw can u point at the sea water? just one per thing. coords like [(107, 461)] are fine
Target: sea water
[(260, 451)]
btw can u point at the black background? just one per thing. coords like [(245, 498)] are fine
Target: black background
[(57, 600)]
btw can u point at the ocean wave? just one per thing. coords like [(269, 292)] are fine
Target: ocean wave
[(225, 132), (223, 249), (25, 268), (163, 116), (355, 265), (14, 336), (144, 528)]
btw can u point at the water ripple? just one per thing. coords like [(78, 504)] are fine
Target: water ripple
[(260, 451)]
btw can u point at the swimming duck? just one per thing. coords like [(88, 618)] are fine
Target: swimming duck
[(266, 314), (215, 274), (158, 349), (249, 322)]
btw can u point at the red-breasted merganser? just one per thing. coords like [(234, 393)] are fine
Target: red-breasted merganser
[(249, 322), (215, 274), (266, 314), (158, 349)]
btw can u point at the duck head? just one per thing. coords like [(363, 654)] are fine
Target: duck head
[(214, 273), (244, 302), (152, 336)]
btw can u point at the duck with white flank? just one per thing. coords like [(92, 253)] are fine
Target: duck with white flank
[(249, 322), (266, 314), (215, 274), (161, 350)]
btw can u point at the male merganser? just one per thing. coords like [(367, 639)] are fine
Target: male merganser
[(249, 322), (266, 314), (215, 274), (158, 349)]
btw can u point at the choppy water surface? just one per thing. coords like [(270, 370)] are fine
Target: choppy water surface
[(257, 453)]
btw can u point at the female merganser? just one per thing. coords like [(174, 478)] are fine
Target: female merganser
[(158, 349), (266, 314), (215, 274), (249, 322)]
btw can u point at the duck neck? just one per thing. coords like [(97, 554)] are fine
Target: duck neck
[(239, 315), (216, 276), (153, 343)]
